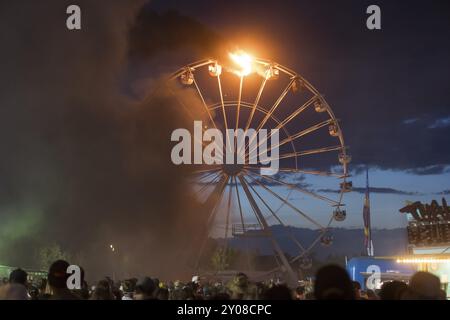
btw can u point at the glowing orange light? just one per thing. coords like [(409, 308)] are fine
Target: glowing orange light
[(244, 61), (423, 260)]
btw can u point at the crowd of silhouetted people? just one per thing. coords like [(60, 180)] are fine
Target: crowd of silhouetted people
[(332, 282)]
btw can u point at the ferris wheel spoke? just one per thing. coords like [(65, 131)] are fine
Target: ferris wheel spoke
[(290, 235), (181, 103), (205, 106), (239, 204), (215, 198), (203, 176), (293, 186), (255, 104), (287, 120), (297, 112), (310, 152), (295, 136), (227, 221), (309, 172), (312, 245), (189, 113), (224, 114), (238, 107), (271, 111), (276, 247), (211, 205), (257, 211), (287, 203), (307, 131), (275, 105), (204, 103), (200, 171), (209, 183)]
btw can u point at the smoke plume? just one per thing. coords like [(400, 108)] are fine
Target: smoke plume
[(85, 154)]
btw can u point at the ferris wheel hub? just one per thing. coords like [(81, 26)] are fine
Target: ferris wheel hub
[(232, 169)]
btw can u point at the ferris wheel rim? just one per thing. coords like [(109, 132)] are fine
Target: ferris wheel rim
[(232, 103)]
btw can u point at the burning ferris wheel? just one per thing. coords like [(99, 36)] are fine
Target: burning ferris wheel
[(254, 95)]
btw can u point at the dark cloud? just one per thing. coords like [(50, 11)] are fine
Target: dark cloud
[(297, 180), (375, 190), (428, 170), (440, 123)]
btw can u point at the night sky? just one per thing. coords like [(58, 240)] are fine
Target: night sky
[(84, 158), (389, 87)]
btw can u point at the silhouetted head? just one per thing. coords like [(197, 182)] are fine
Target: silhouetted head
[(357, 289), (103, 291), (333, 283), (278, 292), (18, 276), (300, 293), (57, 274), (392, 290), (144, 289), (424, 286), (162, 294), (241, 280)]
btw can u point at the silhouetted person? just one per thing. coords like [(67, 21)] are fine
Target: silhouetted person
[(162, 294), (33, 291), (423, 286), (16, 288), (128, 287), (278, 292), (57, 280), (299, 293), (392, 290), (241, 288), (102, 291), (371, 295), (333, 283), (144, 289), (18, 276), (357, 289)]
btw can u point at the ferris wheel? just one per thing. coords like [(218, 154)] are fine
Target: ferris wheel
[(247, 93)]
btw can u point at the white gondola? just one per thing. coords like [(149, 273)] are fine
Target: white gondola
[(305, 263), (215, 70), (345, 158), (346, 186), (297, 85), (326, 240), (333, 130), (187, 78), (319, 107), (272, 73), (339, 215)]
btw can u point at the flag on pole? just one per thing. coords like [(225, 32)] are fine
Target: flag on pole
[(366, 216)]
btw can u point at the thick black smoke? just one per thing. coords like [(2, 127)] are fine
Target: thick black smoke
[(84, 163)]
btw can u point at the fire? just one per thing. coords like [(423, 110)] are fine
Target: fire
[(244, 61)]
